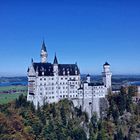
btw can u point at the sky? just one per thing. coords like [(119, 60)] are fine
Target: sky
[(89, 32)]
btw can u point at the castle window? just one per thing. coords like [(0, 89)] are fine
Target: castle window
[(44, 78), (61, 78), (40, 84), (66, 78), (63, 96), (52, 97), (41, 79), (40, 93)]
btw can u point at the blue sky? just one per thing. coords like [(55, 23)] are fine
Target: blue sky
[(88, 32)]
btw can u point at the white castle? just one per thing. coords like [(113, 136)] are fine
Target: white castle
[(51, 83)]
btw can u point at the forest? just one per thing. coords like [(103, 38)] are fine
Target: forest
[(19, 120)]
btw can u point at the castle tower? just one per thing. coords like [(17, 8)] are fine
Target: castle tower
[(43, 53), (55, 66), (88, 78), (107, 76)]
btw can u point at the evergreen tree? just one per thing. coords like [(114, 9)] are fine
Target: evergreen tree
[(94, 122), (53, 111), (120, 135), (79, 134), (63, 115)]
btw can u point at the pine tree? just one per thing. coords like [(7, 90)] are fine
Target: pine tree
[(63, 116)]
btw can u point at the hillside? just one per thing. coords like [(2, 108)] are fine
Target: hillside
[(62, 121)]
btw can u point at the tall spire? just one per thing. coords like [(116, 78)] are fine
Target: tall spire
[(55, 60), (32, 61), (43, 54), (43, 46)]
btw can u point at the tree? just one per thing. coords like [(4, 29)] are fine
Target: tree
[(94, 122), (32, 107), (37, 128), (119, 135), (48, 131), (63, 116), (79, 134), (53, 111), (21, 101)]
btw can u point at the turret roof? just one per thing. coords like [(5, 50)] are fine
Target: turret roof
[(43, 46), (106, 64), (55, 60)]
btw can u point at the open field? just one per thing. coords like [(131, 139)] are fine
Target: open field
[(6, 98), (12, 88), (10, 93)]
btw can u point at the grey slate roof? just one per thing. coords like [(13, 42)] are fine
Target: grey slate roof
[(63, 69), (95, 84), (46, 67)]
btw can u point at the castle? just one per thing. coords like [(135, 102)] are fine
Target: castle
[(50, 83)]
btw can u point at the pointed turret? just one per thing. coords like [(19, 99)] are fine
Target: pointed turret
[(107, 75), (55, 60), (106, 64), (55, 66), (32, 61), (43, 54), (43, 46), (88, 78)]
